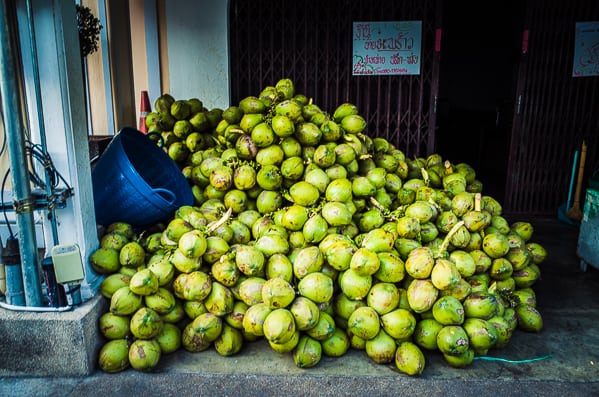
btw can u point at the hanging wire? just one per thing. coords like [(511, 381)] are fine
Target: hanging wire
[(37, 153), (2, 149), (3, 146), (12, 236)]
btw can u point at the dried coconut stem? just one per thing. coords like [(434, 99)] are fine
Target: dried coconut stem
[(445, 242), (216, 224)]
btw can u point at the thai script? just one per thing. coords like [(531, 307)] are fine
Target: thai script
[(400, 43)]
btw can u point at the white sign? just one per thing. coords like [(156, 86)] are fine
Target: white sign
[(386, 48), (586, 49)]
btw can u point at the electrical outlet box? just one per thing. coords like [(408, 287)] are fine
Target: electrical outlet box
[(68, 265)]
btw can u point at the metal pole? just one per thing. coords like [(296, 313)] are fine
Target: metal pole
[(12, 108), (106, 66)]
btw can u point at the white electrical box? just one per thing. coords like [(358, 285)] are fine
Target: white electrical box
[(68, 265)]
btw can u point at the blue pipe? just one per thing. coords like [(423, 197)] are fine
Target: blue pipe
[(15, 295), (14, 285), (11, 90)]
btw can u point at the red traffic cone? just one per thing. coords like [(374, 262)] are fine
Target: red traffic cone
[(143, 111)]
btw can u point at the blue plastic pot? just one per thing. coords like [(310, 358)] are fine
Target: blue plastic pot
[(135, 181)]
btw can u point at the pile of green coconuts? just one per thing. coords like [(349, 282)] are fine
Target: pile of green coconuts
[(316, 237)]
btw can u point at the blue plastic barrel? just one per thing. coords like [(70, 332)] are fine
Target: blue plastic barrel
[(135, 181)]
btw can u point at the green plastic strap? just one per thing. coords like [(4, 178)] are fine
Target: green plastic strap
[(505, 360)]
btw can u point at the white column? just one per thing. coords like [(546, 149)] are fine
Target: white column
[(63, 103)]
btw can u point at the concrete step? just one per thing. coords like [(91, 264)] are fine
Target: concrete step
[(51, 343)]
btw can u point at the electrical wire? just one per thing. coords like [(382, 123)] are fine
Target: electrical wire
[(3, 146), (10, 232), (37, 153), (34, 309), (2, 149), (52, 178), (505, 360)]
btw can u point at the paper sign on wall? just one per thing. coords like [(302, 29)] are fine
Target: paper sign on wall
[(586, 49), (386, 48)]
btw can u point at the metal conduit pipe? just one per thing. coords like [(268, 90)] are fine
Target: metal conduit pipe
[(38, 101), (11, 92)]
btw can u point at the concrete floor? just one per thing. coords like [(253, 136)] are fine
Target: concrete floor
[(565, 355)]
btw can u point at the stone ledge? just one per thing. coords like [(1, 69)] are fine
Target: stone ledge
[(51, 343)]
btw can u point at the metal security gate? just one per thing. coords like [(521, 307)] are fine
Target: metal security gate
[(310, 42), (554, 111)]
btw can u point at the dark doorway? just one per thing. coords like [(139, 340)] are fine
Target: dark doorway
[(478, 71)]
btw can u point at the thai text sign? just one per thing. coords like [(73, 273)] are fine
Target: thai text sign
[(586, 49), (386, 48)]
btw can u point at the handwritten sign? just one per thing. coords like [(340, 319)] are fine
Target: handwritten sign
[(586, 49), (386, 48)]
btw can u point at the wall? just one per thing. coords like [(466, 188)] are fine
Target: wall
[(138, 51), (98, 120), (198, 56), (177, 46)]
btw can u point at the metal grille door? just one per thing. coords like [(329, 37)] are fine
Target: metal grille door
[(310, 42), (555, 112)]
